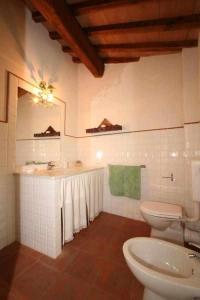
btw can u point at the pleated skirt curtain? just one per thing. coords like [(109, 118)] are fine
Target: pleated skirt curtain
[(82, 201)]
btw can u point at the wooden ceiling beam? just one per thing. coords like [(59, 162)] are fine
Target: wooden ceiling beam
[(37, 17), (145, 26), (152, 46), (138, 52), (148, 45), (126, 59), (141, 52), (92, 6), (112, 60), (54, 35), (59, 16)]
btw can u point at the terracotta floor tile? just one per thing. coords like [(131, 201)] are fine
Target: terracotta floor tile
[(86, 267), (111, 220), (78, 241), (120, 238), (98, 247), (7, 294), (115, 279), (68, 288), (16, 249), (14, 265), (91, 267), (9, 250), (115, 251), (36, 281), (137, 290), (116, 255), (97, 294), (60, 264), (29, 252), (135, 228)]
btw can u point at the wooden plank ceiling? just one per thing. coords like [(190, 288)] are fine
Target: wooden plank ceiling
[(96, 32)]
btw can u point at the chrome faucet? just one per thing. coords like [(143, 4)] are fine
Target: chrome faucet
[(51, 164), (194, 255)]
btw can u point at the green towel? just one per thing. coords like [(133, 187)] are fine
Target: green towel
[(125, 181), (116, 180)]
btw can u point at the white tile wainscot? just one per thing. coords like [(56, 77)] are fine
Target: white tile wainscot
[(39, 208)]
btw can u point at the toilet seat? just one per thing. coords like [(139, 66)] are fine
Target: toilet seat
[(162, 210)]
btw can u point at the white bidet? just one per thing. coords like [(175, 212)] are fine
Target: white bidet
[(167, 271)]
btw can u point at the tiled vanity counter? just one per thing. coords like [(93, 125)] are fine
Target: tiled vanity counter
[(40, 203)]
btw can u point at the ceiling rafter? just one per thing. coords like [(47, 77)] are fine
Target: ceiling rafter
[(112, 60), (131, 58), (93, 6), (145, 26), (54, 35), (58, 14), (120, 46), (151, 46)]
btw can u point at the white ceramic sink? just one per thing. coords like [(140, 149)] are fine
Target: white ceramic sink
[(165, 269), (55, 172)]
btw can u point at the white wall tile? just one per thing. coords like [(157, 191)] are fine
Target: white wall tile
[(160, 151)]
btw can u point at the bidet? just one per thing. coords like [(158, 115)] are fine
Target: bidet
[(165, 269)]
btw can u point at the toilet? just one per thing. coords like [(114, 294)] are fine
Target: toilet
[(160, 215)]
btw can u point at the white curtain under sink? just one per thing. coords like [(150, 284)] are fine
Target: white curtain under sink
[(81, 201)]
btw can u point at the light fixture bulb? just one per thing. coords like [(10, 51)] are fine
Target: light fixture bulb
[(36, 100), (45, 94), (50, 97)]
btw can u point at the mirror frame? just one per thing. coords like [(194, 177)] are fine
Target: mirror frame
[(5, 120), (14, 82), (29, 87)]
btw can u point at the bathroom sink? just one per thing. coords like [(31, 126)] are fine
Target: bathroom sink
[(165, 269), (62, 172)]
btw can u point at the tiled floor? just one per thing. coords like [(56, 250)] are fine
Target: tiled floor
[(91, 267)]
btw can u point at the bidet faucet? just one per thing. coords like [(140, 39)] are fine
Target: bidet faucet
[(194, 255)]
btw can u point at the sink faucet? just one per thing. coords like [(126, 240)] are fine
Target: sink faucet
[(51, 164), (194, 255)]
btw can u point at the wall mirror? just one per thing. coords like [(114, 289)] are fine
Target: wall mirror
[(34, 119), (39, 128)]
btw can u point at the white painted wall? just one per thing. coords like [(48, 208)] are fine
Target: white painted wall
[(190, 71), (27, 51), (142, 95), (157, 92)]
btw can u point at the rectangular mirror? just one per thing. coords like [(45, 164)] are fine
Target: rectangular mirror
[(33, 142)]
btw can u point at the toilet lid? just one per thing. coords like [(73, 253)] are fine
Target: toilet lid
[(161, 209)]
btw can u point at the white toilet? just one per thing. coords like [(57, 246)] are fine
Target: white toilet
[(160, 215)]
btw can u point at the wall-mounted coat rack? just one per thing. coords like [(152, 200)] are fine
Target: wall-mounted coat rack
[(104, 127)]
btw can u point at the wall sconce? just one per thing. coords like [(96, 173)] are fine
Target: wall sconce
[(44, 94)]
